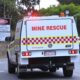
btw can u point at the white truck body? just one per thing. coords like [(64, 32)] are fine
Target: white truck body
[(45, 41), (40, 33)]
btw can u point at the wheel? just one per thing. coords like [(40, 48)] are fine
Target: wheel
[(11, 68), (67, 73), (19, 73)]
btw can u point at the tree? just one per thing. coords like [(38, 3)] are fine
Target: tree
[(28, 3), (1, 10), (8, 9), (69, 1), (74, 9)]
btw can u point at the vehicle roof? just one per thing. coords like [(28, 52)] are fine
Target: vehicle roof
[(45, 17)]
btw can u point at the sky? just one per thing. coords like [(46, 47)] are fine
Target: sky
[(47, 3)]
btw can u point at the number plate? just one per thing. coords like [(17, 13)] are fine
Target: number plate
[(49, 53)]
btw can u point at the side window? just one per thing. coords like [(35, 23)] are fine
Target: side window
[(18, 30), (18, 35)]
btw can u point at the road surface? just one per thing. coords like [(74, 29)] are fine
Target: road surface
[(4, 75)]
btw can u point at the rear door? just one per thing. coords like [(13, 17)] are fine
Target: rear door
[(49, 34)]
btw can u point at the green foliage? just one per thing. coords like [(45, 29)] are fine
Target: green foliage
[(28, 3), (69, 1), (15, 13), (74, 10), (8, 10)]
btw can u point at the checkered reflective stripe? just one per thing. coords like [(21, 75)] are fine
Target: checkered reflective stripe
[(49, 40)]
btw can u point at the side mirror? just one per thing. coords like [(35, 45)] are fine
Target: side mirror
[(8, 39)]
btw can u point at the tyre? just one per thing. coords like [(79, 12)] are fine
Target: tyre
[(11, 68), (19, 73), (67, 73)]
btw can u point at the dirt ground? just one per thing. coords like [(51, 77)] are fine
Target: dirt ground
[(3, 49)]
